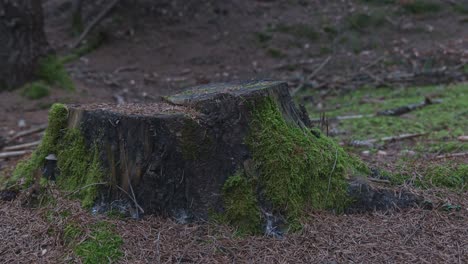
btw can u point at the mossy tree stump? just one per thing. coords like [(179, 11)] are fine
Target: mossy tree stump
[(240, 152)]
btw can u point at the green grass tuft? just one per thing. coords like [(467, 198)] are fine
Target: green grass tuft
[(422, 6), (448, 176), (275, 53), (263, 38), (299, 31), (241, 205), (35, 90), (102, 245), (52, 71), (446, 120), (361, 21)]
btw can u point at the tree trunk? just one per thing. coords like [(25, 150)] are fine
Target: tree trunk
[(23, 41)]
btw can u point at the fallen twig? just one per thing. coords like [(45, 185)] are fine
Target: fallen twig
[(338, 118), (408, 108), (125, 68), (10, 154), (378, 180), (22, 146), (371, 142), (312, 75), (27, 132), (93, 23), (452, 155)]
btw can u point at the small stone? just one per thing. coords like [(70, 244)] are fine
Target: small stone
[(381, 153), (43, 252), (407, 152), (463, 138), (132, 82), (365, 153), (21, 123)]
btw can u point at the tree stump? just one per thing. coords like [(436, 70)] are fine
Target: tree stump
[(238, 152)]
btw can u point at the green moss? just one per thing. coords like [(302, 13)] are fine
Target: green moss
[(297, 169), (446, 120), (241, 206), (35, 90), (79, 170), (275, 53), (52, 71), (298, 30), (58, 115), (71, 233), (422, 6), (360, 21), (263, 38), (102, 245), (449, 175), (461, 8)]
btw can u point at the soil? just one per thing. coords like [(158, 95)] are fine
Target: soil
[(158, 48)]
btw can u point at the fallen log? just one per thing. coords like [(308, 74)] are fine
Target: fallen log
[(239, 152)]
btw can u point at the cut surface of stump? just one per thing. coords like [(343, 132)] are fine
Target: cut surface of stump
[(237, 152)]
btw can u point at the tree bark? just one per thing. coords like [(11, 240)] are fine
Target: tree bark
[(23, 41)]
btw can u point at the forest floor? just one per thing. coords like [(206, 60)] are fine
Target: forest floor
[(346, 60)]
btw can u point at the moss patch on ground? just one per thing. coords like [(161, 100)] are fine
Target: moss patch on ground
[(52, 71), (444, 122), (449, 175), (35, 90), (101, 246)]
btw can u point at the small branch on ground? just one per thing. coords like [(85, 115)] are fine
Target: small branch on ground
[(94, 23), (371, 142), (312, 75), (408, 108), (27, 132), (22, 146), (452, 155), (339, 118), (11, 154)]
